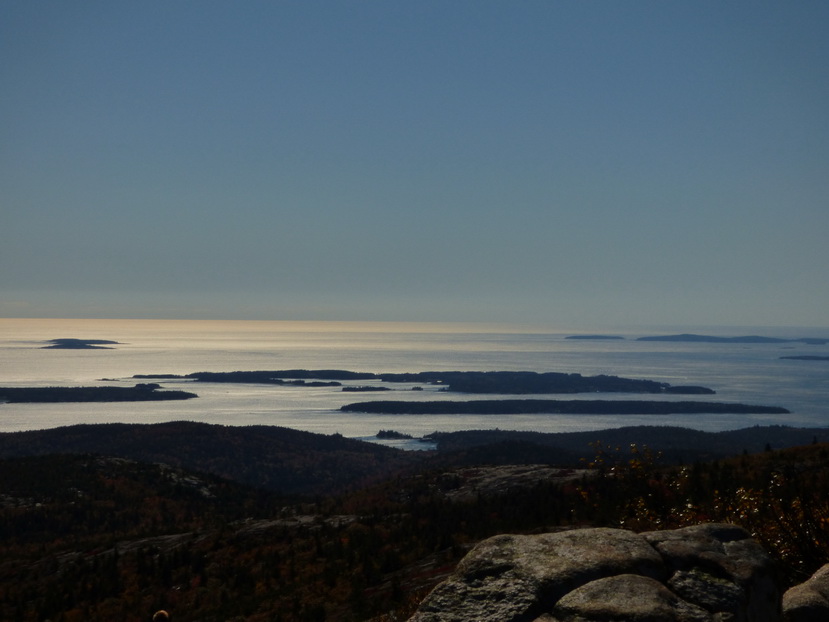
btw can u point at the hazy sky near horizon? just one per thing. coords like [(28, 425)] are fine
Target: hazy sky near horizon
[(565, 162)]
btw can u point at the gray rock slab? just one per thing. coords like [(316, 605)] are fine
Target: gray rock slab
[(632, 598), (712, 572), (809, 601), (719, 555), (514, 577)]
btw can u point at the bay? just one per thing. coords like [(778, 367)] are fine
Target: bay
[(748, 373)]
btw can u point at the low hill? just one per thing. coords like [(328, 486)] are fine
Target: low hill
[(270, 457)]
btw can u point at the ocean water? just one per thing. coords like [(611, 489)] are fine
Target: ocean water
[(748, 373)]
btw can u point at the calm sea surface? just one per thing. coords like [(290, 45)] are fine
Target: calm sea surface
[(748, 373)]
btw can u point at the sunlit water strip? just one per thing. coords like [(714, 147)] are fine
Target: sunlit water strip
[(749, 373)]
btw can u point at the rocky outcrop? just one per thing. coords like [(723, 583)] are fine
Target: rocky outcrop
[(809, 601), (704, 573)]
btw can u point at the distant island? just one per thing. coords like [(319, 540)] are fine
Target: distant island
[(79, 344), (745, 339), (504, 382), (393, 435), (594, 337), (138, 393), (555, 407)]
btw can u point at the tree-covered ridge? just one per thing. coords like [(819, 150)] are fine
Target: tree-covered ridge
[(675, 445), (290, 461), (142, 392), (268, 457), (505, 382)]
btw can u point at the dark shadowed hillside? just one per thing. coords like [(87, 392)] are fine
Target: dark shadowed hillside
[(675, 445), (290, 461), (274, 458), (87, 537)]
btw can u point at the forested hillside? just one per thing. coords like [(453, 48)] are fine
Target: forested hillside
[(90, 537), (270, 457)]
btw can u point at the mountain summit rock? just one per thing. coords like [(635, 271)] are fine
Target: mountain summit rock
[(705, 573)]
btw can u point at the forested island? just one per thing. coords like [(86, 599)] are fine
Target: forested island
[(138, 393), (79, 344), (393, 435), (569, 407), (503, 382)]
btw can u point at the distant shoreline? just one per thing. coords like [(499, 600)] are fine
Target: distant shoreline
[(556, 407), (688, 337), (596, 337), (806, 357), (693, 338)]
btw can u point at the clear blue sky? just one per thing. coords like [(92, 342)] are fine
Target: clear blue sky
[(564, 162)]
